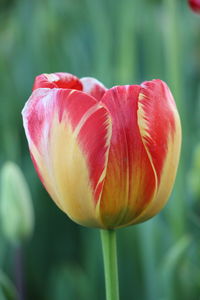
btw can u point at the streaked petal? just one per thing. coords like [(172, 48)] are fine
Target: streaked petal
[(69, 137), (130, 181), (93, 87), (160, 130), (57, 80)]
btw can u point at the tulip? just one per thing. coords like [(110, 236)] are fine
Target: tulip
[(107, 157), (195, 5)]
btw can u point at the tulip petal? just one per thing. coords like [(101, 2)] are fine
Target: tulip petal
[(57, 80), (160, 130), (93, 87), (69, 137), (130, 181)]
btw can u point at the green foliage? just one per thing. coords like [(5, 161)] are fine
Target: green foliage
[(69, 282), (119, 42)]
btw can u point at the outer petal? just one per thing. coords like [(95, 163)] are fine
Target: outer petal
[(130, 180), (68, 134), (57, 80), (160, 130), (93, 87)]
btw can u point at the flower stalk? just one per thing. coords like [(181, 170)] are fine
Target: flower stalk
[(108, 238)]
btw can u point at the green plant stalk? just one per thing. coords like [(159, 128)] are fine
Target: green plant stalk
[(172, 48), (101, 27), (174, 78), (147, 244), (126, 64), (108, 238)]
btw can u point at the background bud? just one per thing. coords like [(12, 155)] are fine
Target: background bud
[(16, 211), (195, 5), (194, 174), (7, 288)]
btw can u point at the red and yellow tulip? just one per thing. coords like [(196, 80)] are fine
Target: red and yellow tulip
[(107, 157)]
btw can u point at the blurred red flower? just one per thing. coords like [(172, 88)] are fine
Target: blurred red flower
[(195, 5)]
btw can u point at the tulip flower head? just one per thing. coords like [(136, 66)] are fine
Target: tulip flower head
[(195, 5), (107, 157)]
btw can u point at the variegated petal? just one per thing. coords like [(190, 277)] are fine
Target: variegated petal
[(130, 180), (93, 87), (160, 130), (69, 138)]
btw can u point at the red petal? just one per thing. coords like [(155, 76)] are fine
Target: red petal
[(93, 87), (157, 105), (57, 80), (65, 127), (160, 130), (130, 181)]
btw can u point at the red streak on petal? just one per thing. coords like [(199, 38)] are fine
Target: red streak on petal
[(93, 132), (130, 181), (74, 102), (87, 118), (35, 114), (93, 137), (158, 105)]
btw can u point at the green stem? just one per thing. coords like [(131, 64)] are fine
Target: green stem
[(173, 50), (108, 238), (174, 78), (126, 65)]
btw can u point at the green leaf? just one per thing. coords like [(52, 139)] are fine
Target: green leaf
[(69, 282)]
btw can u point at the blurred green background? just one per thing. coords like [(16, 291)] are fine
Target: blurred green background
[(118, 42)]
